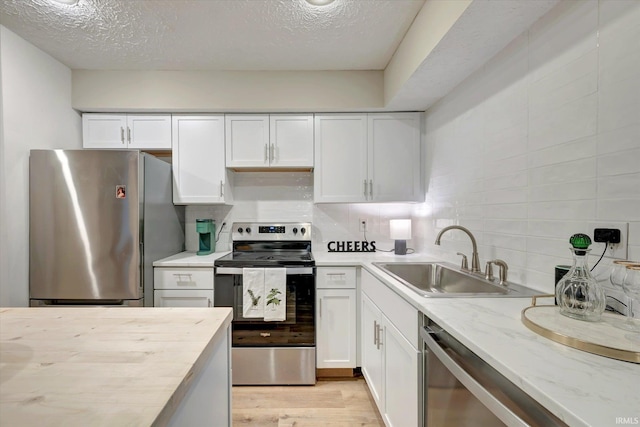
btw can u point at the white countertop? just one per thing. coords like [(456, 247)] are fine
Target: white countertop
[(580, 388), (102, 366), (189, 259)]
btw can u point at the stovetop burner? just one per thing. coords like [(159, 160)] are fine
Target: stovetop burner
[(266, 259), (269, 245)]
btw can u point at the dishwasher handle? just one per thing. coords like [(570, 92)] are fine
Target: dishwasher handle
[(482, 394)]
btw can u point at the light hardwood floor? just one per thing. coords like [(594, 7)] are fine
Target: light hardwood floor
[(330, 402)]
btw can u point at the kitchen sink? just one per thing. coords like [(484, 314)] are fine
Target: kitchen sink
[(437, 279)]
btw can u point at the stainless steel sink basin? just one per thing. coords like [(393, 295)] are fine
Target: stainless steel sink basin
[(443, 280)]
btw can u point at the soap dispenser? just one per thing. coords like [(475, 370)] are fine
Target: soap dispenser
[(578, 293)]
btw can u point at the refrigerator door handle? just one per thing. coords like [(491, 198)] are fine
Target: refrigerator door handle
[(221, 188), (141, 267)]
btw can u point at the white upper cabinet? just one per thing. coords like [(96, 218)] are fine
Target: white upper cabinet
[(269, 141), (199, 173), (124, 131), (247, 140), (394, 157), (367, 158), (340, 174), (291, 138)]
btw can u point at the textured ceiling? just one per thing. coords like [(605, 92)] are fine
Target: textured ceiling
[(214, 34), (269, 35)]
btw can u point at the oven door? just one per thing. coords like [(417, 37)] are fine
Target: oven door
[(298, 330)]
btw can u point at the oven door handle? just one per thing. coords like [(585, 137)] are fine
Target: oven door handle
[(290, 270), (477, 389)]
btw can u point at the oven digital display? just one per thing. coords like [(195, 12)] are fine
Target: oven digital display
[(271, 229)]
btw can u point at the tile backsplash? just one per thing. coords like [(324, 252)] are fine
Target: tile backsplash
[(540, 143), (288, 196)]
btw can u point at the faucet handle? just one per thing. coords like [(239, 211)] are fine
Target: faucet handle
[(465, 264), (488, 271), (503, 270)]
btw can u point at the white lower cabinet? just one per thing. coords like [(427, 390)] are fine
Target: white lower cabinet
[(391, 360), (370, 348), (183, 287), (336, 317)]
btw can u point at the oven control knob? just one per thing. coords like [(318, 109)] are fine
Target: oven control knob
[(239, 229), (295, 230), (248, 230), (303, 230)]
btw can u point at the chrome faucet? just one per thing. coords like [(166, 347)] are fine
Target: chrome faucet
[(475, 260)]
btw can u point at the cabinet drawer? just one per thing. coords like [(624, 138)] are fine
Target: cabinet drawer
[(336, 278), (183, 278), (183, 298)]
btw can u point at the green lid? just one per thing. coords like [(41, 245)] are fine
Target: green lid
[(580, 241)]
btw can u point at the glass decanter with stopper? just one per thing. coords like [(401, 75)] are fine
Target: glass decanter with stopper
[(578, 293)]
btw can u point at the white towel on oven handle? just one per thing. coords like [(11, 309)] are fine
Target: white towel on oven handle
[(252, 292), (275, 289)]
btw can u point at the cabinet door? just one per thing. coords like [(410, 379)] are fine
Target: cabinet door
[(340, 171), (291, 140), (199, 174), (149, 132), (394, 157), (104, 131), (371, 352), (402, 373), (247, 141), (336, 334), (179, 298)]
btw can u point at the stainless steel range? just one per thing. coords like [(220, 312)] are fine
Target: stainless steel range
[(269, 280)]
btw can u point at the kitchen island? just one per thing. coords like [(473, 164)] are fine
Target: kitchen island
[(115, 366)]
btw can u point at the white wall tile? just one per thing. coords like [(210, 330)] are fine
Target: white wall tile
[(579, 190), (577, 170), (567, 106), (619, 163), (619, 209), (619, 186), (573, 120), (563, 209), (579, 149), (626, 138)]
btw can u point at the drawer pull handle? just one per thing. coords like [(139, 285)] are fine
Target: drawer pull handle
[(184, 279)]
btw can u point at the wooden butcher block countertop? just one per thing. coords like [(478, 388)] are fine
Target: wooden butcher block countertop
[(101, 366)]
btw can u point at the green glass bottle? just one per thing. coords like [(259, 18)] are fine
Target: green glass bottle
[(578, 293)]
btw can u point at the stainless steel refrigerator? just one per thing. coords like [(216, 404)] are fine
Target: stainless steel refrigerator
[(98, 219)]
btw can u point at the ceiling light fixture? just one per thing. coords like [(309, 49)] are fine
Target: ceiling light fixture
[(67, 2), (319, 2)]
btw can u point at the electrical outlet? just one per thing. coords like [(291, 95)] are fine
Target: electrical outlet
[(363, 224), (614, 250)]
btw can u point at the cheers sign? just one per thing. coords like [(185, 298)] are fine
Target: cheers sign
[(351, 246)]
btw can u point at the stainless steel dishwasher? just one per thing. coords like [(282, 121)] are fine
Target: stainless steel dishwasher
[(460, 389)]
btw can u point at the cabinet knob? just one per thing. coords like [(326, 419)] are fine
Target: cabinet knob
[(239, 229)]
